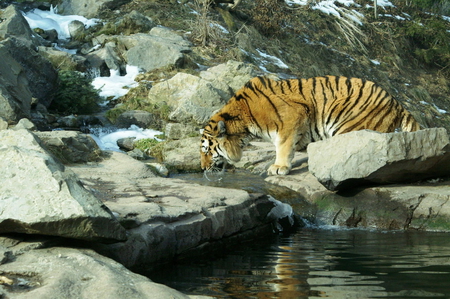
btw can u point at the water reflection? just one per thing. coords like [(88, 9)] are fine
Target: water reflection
[(315, 263)]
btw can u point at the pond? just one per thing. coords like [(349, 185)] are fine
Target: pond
[(322, 262), (315, 261)]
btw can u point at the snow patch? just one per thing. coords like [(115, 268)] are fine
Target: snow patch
[(48, 20), (106, 139)]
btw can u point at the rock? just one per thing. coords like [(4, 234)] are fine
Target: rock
[(233, 73), (47, 273), (52, 201), (142, 119), (20, 43), (70, 146), (364, 157), (70, 121), (76, 29), (138, 154), (15, 25), (177, 131), (194, 99), (26, 124), (161, 47), (167, 218), (15, 95), (182, 155), (126, 144), (88, 8), (3, 124), (63, 60), (419, 206), (160, 169), (106, 58), (134, 22)]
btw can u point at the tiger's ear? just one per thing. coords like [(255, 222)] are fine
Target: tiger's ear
[(222, 128)]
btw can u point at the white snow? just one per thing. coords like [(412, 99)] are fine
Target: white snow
[(107, 140), (115, 85), (48, 20), (272, 59)]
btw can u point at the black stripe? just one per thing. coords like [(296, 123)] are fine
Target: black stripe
[(271, 103), (263, 81)]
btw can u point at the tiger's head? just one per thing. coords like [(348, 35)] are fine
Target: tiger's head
[(217, 147)]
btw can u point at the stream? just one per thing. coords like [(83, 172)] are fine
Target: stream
[(315, 261)]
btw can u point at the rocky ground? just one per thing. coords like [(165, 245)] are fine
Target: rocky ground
[(72, 216)]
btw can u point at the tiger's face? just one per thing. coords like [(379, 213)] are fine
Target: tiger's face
[(209, 153), (217, 147)]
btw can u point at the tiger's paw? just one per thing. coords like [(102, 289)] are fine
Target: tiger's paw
[(278, 170)]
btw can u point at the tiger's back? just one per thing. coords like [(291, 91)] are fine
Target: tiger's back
[(341, 105), (292, 113)]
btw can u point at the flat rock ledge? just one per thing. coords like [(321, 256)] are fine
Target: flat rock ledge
[(170, 218)]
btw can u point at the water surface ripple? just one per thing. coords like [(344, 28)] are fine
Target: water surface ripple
[(318, 262)]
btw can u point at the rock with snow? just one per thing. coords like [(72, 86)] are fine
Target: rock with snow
[(39, 196), (105, 59), (362, 157)]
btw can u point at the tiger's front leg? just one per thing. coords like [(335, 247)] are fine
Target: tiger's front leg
[(284, 155)]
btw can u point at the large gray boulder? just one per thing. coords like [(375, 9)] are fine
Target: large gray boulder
[(191, 99), (15, 95), (14, 25), (23, 73), (363, 157), (159, 48), (38, 196), (194, 99), (67, 273)]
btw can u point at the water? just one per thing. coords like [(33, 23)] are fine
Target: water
[(317, 262)]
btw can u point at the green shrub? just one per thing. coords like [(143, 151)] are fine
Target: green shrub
[(432, 39), (75, 94)]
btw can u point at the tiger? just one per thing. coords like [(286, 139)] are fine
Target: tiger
[(292, 113)]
